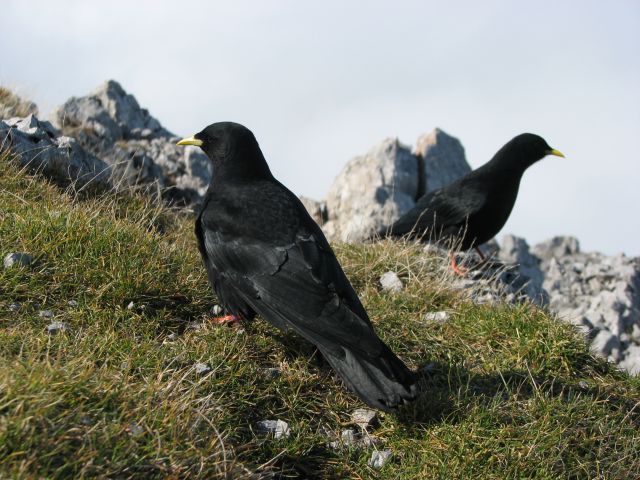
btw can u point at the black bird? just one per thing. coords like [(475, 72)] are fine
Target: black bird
[(265, 255), (473, 209)]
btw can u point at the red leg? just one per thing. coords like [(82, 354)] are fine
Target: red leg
[(228, 319), (458, 269)]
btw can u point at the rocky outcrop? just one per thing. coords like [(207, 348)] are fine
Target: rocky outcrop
[(598, 293), (443, 159), (375, 189), (111, 125), (40, 147), (372, 191)]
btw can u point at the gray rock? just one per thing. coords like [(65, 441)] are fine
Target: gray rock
[(350, 437), (72, 303), (18, 259), (110, 123), (135, 430), (438, 317), (201, 368), (631, 360), (317, 210), (379, 458), (527, 278), (364, 418), (557, 247), (216, 310), (272, 372), (45, 314), (391, 282), (56, 327), (278, 428), (372, 191), (443, 159), (14, 307), (40, 147)]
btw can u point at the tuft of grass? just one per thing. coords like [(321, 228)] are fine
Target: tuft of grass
[(11, 105), (510, 391)]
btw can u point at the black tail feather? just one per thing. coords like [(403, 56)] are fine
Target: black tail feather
[(383, 382)]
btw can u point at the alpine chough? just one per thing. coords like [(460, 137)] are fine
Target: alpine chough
[(265, 255), (473, 209)]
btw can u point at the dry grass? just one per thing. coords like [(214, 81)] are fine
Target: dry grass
[(11, 105)]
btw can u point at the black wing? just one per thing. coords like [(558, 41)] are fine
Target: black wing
[(300, 285), (442, 212)]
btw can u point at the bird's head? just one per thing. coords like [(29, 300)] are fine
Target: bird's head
[(526, 149), (232, 148)]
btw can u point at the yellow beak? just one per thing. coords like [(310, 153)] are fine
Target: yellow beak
[(190, 141), (553, 151)]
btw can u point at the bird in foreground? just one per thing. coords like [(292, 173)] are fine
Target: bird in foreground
[(473, 209), (265, 255)]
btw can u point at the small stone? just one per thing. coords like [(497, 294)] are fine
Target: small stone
[(379, 458), (202, 368), (55, 327), (72, 303), (583, 384), (14, 307), (349, 437), (279, 428), (45, 314), (18, 259), (135, 430), (171, 337), (216, 310), (364, 418), (391, 282), (272, 372), (438, 317), (369, 441), (130, 305), (194, 326)]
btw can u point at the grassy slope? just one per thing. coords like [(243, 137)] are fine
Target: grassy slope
[(512, 393)]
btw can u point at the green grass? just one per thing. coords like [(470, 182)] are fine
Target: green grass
[(510, 391)]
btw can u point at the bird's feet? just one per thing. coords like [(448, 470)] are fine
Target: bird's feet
[(458, 269), (225, 320)]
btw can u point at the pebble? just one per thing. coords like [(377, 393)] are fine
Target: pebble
[(216, 310), (279, 428), (272, 372), (135, 430), (202, 368), (14, 307), (55, 327), (45, 314), (391, 282), (130, 305), (364, 418), (439, 317), (379, 458), (72, 303), (19, 259), (349, 437)]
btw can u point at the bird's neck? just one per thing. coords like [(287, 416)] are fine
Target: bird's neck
[(244, 165)]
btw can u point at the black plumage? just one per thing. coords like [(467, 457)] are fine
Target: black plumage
[(473, 209), (265, 255)]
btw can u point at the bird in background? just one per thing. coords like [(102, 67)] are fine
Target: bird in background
[(265, 255), (472, 209)]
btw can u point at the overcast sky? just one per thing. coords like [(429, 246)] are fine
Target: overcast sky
[(321, 82)]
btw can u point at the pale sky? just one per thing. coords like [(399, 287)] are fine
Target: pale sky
[(321, 82)]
